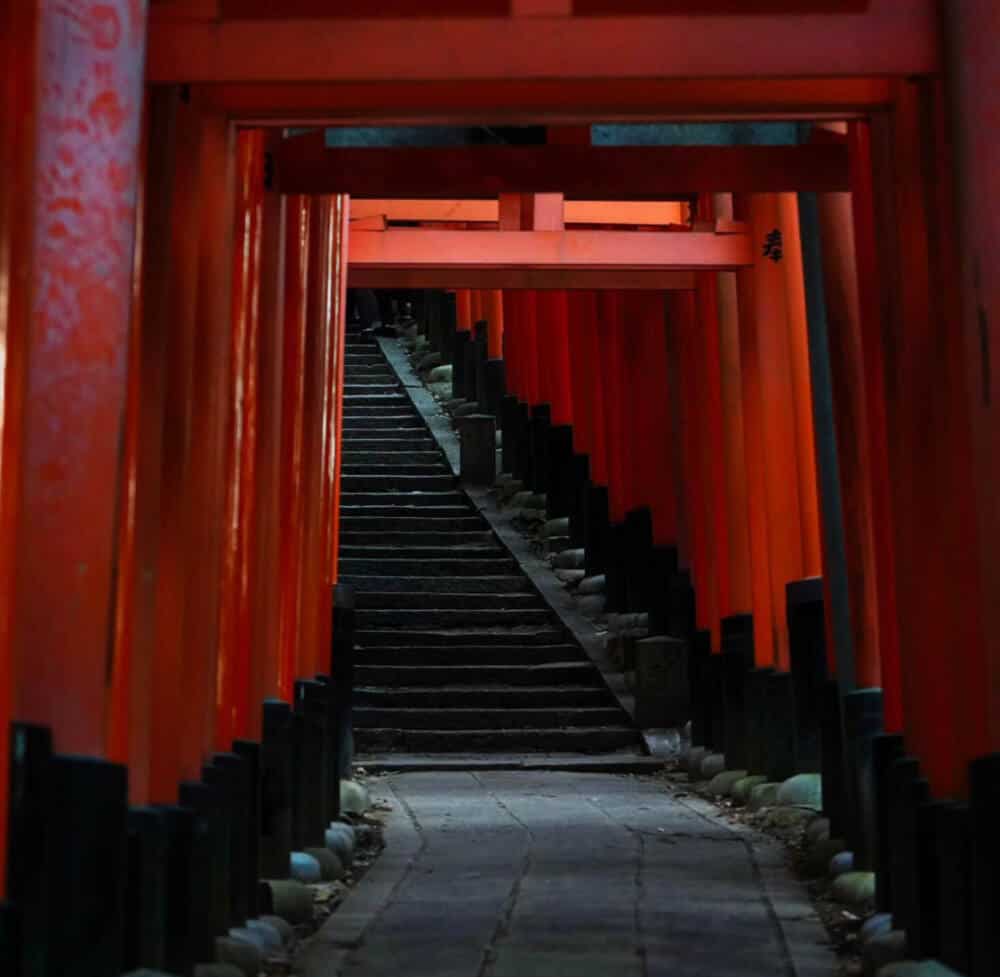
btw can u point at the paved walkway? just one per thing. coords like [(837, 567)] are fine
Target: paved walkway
[(543, 874)]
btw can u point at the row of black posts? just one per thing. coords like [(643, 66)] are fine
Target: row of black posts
[(98, 888), (937, 863)]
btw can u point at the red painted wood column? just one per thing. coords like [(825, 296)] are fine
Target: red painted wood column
[(339, 231), (650, 416), (847, 371), (552, 345), (974, 101), (206, 486), (317, 324), (777, 415), (175, 321), (18, 27), (528, 300), (696, 475), (734, 465), (323, 393), (133, 690), (511, 347), (294, 328), (612, 340), (939, 588), (463, 307), (494, 314), (582, 315), (873, 274), (90, 100), (236, 667), (269, 530)]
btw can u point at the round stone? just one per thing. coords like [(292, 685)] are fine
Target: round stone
[(304, 868), (269, 935), (217, 970), (817, 830), (816, 863), (592, 605), (854, 889), (440, 374), (329, 863), (841, 864), (528, 498), (785, 818), (695, 758), (281, 926), (238, 953), (883, 950), (354, 797), (918, 968), (741, 789), (877, 925), (556, 528), (713, 764), (571, 559), (593, 585), (802, 790), (722, 783), (763, 795), (340, 839), (291, 900)]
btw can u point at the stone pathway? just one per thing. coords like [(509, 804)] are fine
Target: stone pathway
[(559, 874)]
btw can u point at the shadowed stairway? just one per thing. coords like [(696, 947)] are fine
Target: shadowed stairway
[(456, 652)]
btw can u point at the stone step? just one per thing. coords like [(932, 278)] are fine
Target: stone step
[(391, 469), (601, 739), (502, 584), (455, 501), (443, 550), (383, 456), (403, 567), (387, 413), (573, 672), (406, 425), (374, 537), (397, 483), (356, 388), (438, 482), (406, 511), (386, 398), (466, 697), (388, 600), (416, 442), (434, 618), (355, 521), (514, 637), (369, 717), (497, 656)]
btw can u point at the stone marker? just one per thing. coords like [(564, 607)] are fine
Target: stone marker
[(662, 682)]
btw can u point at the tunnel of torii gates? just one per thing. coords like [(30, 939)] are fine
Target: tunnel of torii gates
[(758, 379)]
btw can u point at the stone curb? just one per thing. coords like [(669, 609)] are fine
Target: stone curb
[(810, 953), (327, 952)]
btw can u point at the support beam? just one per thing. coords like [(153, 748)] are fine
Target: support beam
[(567, 251), (305, 165), (649, 213), (547, 101), (889, 38), (519, 278)]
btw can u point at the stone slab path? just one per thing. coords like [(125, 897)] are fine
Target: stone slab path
[(564, 874)]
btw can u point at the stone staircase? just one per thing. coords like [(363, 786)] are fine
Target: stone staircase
[(457, 653)]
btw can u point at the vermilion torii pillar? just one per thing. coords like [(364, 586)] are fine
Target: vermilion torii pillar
[(18, 116), (89, 107), (294, 324)]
